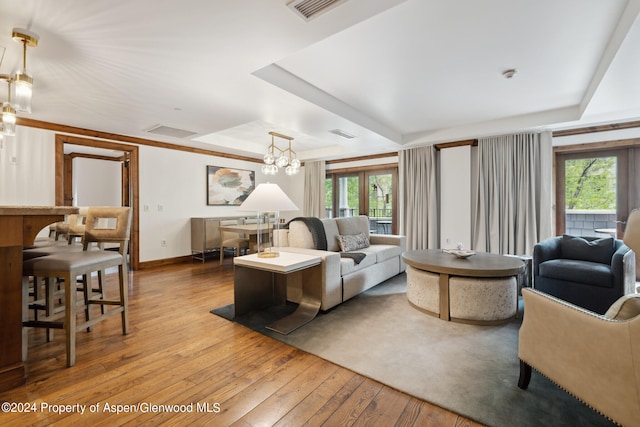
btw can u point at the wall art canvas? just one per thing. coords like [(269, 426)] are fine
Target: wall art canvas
[(228, 187)]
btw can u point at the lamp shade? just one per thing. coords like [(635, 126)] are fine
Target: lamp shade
[(632, 231), (268, 197)]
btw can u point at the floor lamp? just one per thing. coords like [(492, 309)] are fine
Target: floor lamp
[(267, 199)]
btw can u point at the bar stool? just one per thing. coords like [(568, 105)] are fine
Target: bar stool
[(69, 265), (73, 229)]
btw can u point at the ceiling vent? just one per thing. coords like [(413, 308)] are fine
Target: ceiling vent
[(309, 9), (342, 133), (172, 132)]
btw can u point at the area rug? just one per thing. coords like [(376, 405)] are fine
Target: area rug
[(471, 370)]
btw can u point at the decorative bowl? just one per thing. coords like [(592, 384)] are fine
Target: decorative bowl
[(460, 253)]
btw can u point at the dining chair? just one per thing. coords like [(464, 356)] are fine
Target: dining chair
[(232, 240), (103, 225)]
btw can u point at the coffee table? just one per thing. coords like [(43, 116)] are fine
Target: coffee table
[(481, 289), (262, 282)]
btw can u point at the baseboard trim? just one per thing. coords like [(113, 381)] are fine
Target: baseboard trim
[(166, 261)]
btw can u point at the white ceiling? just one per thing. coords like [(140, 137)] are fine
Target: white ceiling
[(394, 73)]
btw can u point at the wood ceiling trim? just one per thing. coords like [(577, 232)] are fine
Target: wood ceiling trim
[(21, 121)]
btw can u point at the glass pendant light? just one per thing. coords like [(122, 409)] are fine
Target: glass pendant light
[(284, 160), (8, 112), (23, 82)]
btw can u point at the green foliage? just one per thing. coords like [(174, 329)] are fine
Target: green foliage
[(380, 188), (380, 194), (590, 183)]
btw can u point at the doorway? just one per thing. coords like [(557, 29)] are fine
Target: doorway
[(592, 193), (127, 157), (370, 192)]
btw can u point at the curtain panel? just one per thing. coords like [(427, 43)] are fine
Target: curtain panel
[(512, 210), (418, 188), (314, 200)]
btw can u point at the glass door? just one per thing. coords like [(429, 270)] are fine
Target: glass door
[(380, 202), (348, 196), (592, 193), (367, 192)]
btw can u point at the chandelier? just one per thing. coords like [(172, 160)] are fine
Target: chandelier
[(277, 158), (22, 84)]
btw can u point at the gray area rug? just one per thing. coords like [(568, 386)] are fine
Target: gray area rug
[(470, 370)]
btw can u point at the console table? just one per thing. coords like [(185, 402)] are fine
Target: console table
[(262, 282), (19, 226), (205, 235)]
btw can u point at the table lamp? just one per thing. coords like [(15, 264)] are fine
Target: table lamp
[(266, 199)]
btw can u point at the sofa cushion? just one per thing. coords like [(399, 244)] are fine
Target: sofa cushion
[(586, 272), (348, 266), (598, 250), (352, 242), (384, 252), (353, 225), (331, 231), (300, 236)]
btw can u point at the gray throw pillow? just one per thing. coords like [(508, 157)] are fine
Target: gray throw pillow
[(599, 250), (352, 242)]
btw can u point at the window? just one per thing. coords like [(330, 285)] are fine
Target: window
[(592, 192)]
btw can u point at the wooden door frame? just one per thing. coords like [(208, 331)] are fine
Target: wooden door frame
[(363, 174), (130, 180), (622, 183)]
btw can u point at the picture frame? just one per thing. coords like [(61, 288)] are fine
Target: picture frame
[(229, 186)]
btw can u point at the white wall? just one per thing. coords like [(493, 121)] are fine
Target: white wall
[(96, 182), (455, 197), (27, 168), (172, 186), (173, 189)]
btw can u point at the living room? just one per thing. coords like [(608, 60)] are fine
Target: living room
[(171, 185)]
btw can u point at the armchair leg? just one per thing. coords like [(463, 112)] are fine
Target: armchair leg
[(525, 375)]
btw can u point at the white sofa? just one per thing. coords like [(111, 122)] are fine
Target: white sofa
[(344, 278)]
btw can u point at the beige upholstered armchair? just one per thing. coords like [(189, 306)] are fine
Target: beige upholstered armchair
[(596, 358)]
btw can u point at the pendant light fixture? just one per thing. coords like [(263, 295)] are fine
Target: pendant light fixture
[(23, 82), (277, 158), (8, 112)]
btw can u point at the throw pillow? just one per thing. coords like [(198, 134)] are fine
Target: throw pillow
[(598, 250), (351, 242)]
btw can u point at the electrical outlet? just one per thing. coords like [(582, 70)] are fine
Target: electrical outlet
[(163, 243)]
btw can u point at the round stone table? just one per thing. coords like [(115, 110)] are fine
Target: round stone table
[(481, 289)]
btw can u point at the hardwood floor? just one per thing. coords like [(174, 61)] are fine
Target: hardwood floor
[(205, 369)]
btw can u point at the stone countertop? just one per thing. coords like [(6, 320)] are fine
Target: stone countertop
[(37, 210)]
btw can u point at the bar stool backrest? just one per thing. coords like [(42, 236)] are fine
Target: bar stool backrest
[(108, 225)]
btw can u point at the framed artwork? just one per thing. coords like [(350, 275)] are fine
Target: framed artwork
[(228, 187)]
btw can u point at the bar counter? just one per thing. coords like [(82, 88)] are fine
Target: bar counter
[(19, 226)]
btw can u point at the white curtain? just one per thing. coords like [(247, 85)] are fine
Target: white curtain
[(513, 206), (314, 193), (417, 170)]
